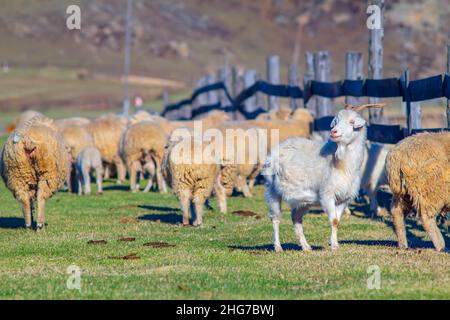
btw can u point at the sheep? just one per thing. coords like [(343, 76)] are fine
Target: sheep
[(89, 159), (300, 126), (70, 122), (141, 143), (21, 119), (191, 182), (281, 113), (418, 171), (374, 173), (34, 165), (243, 141), (107, 131), (303, 172)]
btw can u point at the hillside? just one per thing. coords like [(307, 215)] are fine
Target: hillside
[(181, 40)]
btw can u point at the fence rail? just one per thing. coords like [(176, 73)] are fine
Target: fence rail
[(417, 90)]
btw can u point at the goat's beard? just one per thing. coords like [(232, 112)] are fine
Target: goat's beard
[(340, 151)]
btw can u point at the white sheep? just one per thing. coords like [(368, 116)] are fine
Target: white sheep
[(87, 160), (303, 172), (374, 173)]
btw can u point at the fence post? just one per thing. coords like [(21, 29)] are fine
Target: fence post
[(212, 96), (448, 72), (322, 72), (294, 82), (375, 70), (309, 76), (224, 75), (202, 99), (249, 80), (353, 71), (273, 77)]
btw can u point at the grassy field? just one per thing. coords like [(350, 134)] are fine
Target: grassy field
[(231, 257)]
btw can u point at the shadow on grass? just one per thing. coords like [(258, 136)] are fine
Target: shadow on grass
[(414, 241), (269, 247), (11, 223), (117, 187), (169, 215)]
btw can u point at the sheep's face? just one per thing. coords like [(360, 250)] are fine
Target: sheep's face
[(346, 126)]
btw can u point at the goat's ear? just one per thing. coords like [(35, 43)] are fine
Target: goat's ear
[(359, 123), (333, 123)]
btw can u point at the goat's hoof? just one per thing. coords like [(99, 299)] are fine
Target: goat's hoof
[(28, 226), (278, 248), (39, 227), (307, 248), (100, 193), (197, 223), (334, 247)]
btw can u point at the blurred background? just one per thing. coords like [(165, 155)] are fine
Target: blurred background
[(46, 67)]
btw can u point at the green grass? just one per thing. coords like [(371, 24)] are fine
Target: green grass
[(230, 257)]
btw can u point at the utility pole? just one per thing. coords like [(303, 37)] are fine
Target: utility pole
[(126, 64)]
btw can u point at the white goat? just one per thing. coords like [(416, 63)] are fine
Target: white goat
[(89, 158), (304, 172)]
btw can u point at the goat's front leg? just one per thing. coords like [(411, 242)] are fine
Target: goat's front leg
[(334, 212)]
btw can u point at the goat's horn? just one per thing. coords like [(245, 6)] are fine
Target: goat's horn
[(369, 105), (348, 106)]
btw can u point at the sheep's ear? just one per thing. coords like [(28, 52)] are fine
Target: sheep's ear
[(359, 123)]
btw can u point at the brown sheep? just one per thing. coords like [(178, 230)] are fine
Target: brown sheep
[(191, 182), (418, 171), (21, 119), (34, 165), (70, 122), (139, 141), (107, 131)]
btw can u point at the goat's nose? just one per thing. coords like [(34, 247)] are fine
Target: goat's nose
[(333, 131)]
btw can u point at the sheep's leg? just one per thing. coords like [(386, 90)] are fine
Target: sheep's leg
[(149, 185), (297, 219), (26, 210), (149, 167), (185, 204), (99, 180), (251, 183), (87, 180), (429, 224), (159, 178), (242, 186), (275, 216), (79, 182), (106, 172), (42, 191), (121, 170), (69, 180), (221, 195), (133, 178), (373, 204), (198, 207), (399, 209)]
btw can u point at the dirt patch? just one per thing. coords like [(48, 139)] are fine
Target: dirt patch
[(158, 245), (246, 213), (127, 239), (97, 242), (183, 287), (128, 220), (131, 256)]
